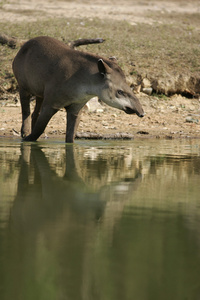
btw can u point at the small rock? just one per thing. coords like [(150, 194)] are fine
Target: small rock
[(99, 110), (93, 105), (190, 119), (147, 91), (146, 83)]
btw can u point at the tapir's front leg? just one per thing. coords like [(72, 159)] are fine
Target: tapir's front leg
[(73, 118), (46, 113), (72, 125)]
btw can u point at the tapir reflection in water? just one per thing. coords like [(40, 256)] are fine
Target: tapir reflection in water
[(63, 77)]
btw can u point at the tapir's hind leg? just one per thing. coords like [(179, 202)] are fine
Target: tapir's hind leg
[(36, 112), (45, 115), (26, 115)]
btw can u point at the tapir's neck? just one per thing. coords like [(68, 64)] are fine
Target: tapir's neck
[(93, 84), (95, 88), (92, 80)]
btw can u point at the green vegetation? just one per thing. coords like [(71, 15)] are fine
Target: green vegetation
[(143, 49), (160, 96)]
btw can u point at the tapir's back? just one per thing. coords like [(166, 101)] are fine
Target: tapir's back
[(46, 61), (38, 60)]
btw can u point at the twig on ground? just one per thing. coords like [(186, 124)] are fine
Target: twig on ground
[(15, 42)]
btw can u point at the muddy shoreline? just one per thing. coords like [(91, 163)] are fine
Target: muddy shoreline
[(175, 117)]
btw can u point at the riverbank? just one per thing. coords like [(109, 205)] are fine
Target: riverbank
[(175, 117)]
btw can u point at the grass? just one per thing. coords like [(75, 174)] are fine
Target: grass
[(160, 96), (143, 49)]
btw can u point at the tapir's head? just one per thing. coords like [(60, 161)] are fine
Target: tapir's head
[(115, 91)]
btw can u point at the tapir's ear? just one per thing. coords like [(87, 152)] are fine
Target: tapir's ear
[(113, 58), (103, 67)]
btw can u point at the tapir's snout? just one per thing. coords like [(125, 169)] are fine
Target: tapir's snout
[(141, 115), (137, 107), (139, 111)]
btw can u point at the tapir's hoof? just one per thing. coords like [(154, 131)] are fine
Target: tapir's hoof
[(29, 138)]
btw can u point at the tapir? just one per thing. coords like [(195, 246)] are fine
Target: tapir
[(61, 77)]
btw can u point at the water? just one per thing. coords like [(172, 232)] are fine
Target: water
[(100, 220)]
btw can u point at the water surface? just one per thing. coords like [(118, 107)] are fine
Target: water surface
[(100, 220)]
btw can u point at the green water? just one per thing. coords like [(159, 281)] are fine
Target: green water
[(100, 220)]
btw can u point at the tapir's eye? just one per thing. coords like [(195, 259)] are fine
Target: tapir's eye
[(120, 93)]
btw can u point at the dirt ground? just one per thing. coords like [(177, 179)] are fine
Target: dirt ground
[(165, 117)]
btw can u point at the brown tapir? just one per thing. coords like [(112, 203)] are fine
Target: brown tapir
[(63, 77)]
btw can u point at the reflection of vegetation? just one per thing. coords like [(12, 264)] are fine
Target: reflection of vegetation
[(147, 259), (8, 180), (101, 223), (109, 165), (100, 166), (183, 165)]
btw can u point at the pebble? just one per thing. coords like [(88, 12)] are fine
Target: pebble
[(190, 119), (99, 110), (146, 83), (147, 91)]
